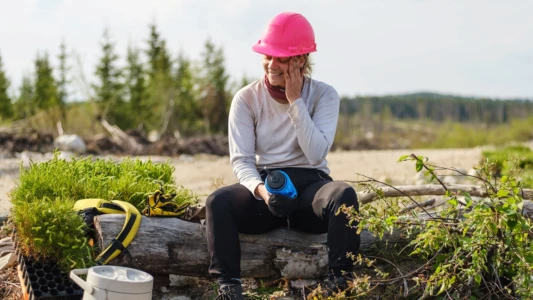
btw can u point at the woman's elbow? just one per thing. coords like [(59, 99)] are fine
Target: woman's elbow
[(316, 160)]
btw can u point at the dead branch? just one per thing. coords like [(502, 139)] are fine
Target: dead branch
[(432, 189), (121, 138)]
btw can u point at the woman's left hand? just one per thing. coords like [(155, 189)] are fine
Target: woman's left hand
[(294, 81)]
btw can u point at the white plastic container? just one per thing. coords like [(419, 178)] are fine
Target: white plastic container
[(114, 283)]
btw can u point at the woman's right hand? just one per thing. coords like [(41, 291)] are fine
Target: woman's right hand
[(281, 206), (262, 192)]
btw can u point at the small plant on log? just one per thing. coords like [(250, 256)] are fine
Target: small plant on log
[(472, 248), (42, 211)]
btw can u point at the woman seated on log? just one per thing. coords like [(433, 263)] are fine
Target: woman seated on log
[(285, 121)]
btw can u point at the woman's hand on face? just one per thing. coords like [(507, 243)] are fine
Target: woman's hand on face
[(294, 81)]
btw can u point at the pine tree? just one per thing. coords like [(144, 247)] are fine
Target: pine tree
[(186, 112), (63, 80), (154, 49), (215, 103), (161, 88), (109, 87), (136, 87), (25, 106), (159, 60), (6, 107), (45, 94), (164, 61)]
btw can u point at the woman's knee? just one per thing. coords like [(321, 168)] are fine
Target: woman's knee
[(218, 200), (343, 193)]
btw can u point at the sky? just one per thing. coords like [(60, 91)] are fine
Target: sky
[(469, 48)]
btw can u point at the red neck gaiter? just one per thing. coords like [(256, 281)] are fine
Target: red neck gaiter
[(274, 91)]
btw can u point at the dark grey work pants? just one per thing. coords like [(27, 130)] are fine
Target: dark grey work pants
[(233, 209)]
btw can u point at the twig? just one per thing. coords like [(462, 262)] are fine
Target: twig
[(401, 192), (425, 203), (399, 271), (394, 280), (435, 176)]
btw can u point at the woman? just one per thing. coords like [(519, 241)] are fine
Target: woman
[(286, 121)]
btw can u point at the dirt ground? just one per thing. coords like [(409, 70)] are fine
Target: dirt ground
[(203, 173)]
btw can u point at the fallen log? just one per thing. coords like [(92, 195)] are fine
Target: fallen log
[(174, 246)]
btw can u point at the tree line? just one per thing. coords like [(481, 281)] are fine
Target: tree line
[(154, 91), (438, 107), (174, 94)]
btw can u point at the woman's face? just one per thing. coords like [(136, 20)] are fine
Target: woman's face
[(275, 68)]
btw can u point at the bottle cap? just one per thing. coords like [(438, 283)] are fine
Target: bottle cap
[(276, 180)]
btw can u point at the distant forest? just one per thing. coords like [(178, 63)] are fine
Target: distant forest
[(429, 120), (439, 108)]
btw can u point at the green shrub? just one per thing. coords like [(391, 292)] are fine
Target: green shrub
[(48, 228), (470, 248), (43, 200), (508, 158)]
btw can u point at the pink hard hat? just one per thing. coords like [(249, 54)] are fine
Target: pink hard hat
[(288, 34)]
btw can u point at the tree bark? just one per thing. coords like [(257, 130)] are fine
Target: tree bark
[(175, 246)]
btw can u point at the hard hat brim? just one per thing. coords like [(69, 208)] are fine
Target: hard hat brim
[(270, 50)]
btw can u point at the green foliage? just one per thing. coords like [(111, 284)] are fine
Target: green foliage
[(109, 86), (136, 89), (6, 107), (215, 100), (506, 160), (474, 247), (24, 107), (51, 229), (187, 117), (46, 93), (44, 198), (63, 80), (161, 87), (153, 52), (439, 107)]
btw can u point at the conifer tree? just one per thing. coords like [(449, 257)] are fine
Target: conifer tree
[(45, 93), (6, 107), (187, 116), (215, 103), (24, 105), (154, 48), (136, 87), (63, 70), (161, 88), (108, 88)]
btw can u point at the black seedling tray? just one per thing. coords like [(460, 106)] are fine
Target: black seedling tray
[(45, 280)]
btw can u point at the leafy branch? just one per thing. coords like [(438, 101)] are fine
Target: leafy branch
[(476, 246)]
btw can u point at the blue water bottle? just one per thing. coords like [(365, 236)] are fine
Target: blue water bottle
[(278, 183)]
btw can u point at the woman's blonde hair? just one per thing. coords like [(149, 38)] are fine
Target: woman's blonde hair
[(307, 69)]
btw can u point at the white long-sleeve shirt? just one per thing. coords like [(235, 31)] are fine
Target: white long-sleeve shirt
[(264, 132)]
